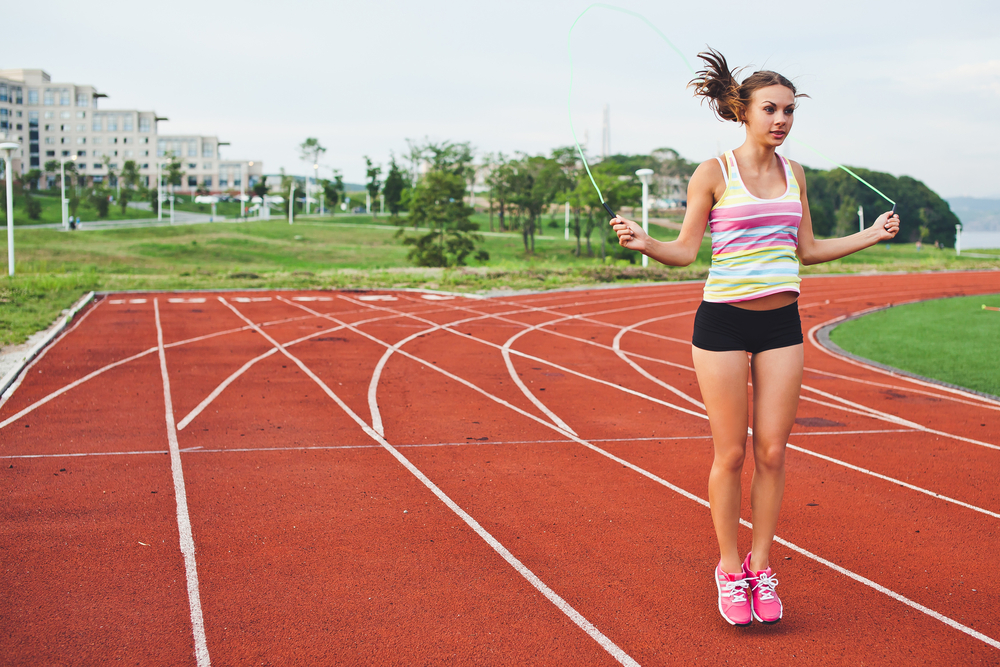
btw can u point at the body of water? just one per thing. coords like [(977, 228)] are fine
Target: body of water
[(973, 240)]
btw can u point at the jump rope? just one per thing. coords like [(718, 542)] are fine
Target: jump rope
[(569, 48)]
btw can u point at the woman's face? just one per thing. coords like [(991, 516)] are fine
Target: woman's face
[(769, 114)]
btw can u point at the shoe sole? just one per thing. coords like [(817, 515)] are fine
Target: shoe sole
[(721, 613), (758, 618)]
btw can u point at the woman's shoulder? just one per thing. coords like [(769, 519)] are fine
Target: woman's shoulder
[(798, 171), (710, 170)]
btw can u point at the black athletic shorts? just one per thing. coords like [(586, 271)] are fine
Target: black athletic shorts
[(720, 327)]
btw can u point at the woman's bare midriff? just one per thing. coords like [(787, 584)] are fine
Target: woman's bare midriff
[(769, 302)]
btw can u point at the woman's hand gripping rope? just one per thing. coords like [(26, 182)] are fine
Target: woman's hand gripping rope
[(630, 234), (886, 226)]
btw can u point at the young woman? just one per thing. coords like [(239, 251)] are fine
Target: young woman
[(756, 204)]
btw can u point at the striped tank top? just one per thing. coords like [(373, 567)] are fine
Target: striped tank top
[(753, 240)]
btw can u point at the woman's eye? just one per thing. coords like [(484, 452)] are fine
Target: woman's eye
[(768, 109)]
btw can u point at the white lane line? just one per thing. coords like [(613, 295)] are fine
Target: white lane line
[(885, 416), (183, 520), (222, 387), (312, 298), (521, 569), (79, 454), (248, 365), (45, 350), (700, 415), (467, 443), (186, 300), (863, 580), (616, 345), (62, 390), (985, 402), (875, 369)]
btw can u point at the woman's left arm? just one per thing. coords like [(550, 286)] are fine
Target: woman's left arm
[(816, 251)]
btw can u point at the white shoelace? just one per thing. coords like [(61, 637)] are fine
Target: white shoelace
[(765, 586), (736, 590)]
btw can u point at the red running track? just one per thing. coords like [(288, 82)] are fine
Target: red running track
[(414, 478)]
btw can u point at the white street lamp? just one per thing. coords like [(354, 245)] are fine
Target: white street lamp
[(62, 185), (316, 183), (291, 203), (7, 147), (645, 175)]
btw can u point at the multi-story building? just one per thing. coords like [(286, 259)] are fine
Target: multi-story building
[(203, 166), (54, 121)]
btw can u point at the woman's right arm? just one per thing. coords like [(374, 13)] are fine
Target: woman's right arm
[(702, 193)]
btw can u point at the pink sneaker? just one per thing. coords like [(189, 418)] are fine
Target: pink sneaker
[(733, 603), (764, 602)]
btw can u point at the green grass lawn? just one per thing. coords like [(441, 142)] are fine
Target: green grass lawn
[(52, 213), (54, 267), (953, 340)]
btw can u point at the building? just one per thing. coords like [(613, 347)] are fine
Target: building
[(54, 121), (203, 166)]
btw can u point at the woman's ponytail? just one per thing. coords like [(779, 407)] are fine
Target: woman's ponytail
[(728, 97)]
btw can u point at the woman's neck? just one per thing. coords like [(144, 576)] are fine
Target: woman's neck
[(754, 157)]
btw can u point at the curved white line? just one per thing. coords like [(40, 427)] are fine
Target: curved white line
[(495, 544), (856, 577), (876, 369), (616, 346)]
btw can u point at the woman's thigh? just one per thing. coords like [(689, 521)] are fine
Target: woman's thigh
[(722, 378), (777, 381)]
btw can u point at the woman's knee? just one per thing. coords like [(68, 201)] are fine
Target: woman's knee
[(730, 459), (769, 456)]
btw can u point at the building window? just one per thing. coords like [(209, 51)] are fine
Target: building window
[(126, 140), (127, 123), (128, 153), (35, 161), (208, 181), (81, 165), (206, 151), (97, 165), (52, 153), (81, 114), (50, 140), (82, 153), (208, 166), (161, 148), (48, 98), (64, 97), (50, 114), (112, 123), (222, 179), (3, 92), (96, 124), (65, 114), (17, 95), (113, 165), (143, 140), (144, 125), (47, 128), (82, 100), (192, 149), (192, 165), (192, 181), (82, 140), (112, 140), (32, 96), (80, 127), (65, 153), (145, 165), (95, 140), (65, 128), (145, 153)]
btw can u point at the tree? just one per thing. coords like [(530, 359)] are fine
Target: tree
[(395, 184), (437, 202), (333, 189), (129, 181), (310, 151), (374, 184)]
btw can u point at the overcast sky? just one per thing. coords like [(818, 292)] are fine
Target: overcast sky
[(909, 89)]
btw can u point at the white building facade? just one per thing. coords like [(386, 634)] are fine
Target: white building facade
[(53, 121)]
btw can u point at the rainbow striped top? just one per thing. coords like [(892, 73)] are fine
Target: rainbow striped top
[(753, 240)]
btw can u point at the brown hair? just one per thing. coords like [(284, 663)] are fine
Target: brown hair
[(728, 98)]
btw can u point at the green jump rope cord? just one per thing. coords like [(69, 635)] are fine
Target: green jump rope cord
[(569, 105)]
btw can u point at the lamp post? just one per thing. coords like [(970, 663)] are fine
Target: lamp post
[(7, 147), (645, 175), (62, 185), (315, 183), (291, 203), (245, 167)]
